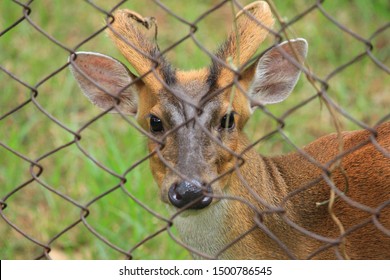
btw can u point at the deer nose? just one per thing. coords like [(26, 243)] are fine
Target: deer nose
[(193, 194)]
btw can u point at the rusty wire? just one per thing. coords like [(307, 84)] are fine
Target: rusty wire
[(8, 199)]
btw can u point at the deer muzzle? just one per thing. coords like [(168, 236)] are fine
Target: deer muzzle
[(190, 195)]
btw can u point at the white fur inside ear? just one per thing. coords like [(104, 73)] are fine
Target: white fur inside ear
[(277, 72)]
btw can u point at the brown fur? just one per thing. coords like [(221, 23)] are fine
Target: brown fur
[(368, 174)]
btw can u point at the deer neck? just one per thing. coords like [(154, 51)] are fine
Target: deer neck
[(204, 232)]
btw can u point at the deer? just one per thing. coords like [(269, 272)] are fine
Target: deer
[(228, 201)]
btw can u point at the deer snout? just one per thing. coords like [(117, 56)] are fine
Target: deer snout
[(194, 195)]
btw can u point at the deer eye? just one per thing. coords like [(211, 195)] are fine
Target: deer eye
[(227, 121), (156, 124)]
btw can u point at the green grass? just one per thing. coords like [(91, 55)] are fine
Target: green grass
[(361, 89)]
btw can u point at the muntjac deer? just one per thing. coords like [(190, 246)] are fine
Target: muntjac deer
[(228, 201)]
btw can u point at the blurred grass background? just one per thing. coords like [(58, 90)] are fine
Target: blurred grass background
[(361, 89)]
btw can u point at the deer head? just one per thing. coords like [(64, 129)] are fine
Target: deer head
[(194, 117)]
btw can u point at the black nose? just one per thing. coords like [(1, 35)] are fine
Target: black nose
[(192, 194)]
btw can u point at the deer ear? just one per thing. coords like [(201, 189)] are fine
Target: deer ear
[(104, 80), (275, 75)]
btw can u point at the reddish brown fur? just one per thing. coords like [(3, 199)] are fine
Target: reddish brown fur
[(368, 173)]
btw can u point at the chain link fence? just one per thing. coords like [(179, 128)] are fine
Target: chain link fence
[(75, 181)]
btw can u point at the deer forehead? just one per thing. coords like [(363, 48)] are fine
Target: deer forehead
[(178, 111), (183, 100)]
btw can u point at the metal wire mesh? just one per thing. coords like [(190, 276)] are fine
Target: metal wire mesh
[(75, 181)]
